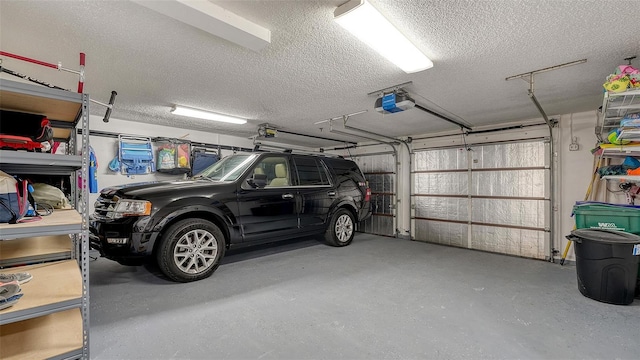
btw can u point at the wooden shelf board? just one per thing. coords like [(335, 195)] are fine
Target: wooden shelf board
[(60, 222), (53, 283), (59, 133), (52, 108), (42, 337), (35, 246)]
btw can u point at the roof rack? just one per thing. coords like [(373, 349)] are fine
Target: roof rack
[(261, 147)]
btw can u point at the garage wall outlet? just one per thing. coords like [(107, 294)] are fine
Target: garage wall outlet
[(574, 146)]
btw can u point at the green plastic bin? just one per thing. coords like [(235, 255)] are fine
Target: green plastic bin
[(601, 216)]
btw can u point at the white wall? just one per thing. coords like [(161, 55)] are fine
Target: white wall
[(575, 170), (106, 148)]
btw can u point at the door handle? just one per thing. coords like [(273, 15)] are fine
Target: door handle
[(331, 193), (287, 196)]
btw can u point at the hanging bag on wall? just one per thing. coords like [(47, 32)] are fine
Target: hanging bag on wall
[(202, 159), (174, 156)]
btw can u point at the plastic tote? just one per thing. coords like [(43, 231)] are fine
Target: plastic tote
[(606, 264), (591, 215)]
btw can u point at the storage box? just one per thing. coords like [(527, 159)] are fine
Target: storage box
[(604, 216)]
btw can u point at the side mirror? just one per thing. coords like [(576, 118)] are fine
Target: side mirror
[(258, 181)]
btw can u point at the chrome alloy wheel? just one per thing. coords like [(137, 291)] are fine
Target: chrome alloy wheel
[(344, 228), (195, 251)]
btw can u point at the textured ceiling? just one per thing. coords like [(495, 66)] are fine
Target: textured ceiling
[(315, 70)]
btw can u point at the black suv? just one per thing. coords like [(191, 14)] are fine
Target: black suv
[(243, 199)]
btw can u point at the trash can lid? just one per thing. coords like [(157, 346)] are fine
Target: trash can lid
[(607, 236)]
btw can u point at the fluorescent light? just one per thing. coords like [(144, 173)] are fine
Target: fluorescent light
[(207, 115), (372, 28)]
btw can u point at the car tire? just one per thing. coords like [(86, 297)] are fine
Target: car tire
[(341, 228), (190, 250)]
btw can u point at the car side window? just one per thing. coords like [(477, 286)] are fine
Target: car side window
[(272, 171), (310, 171), (277, 170)]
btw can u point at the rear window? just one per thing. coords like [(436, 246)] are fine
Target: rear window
[(310, 171), (345, 168)]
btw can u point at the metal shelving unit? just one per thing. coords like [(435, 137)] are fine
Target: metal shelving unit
[(51, 320), (614, 107)]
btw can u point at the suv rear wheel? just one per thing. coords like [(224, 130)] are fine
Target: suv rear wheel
[(190, 250), (341, 229)]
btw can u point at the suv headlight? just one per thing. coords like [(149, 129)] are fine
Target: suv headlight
[(130, 208)]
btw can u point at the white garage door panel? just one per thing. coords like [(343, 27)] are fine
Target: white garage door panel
[(499, 192), (519, 242), (380, 172), (455, 183), (441, 159), (442, 208), (377, 224), (512, 155), (514, 183), (445, 233), (524, 213)]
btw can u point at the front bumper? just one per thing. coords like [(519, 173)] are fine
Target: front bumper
[(138, 244)]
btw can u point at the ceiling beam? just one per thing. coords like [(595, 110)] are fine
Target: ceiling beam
[(213, 19)]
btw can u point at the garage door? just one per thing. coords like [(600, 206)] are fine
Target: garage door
[(493, 198), (380, 172)]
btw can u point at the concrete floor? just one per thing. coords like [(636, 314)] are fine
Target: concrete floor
[(380, 298)]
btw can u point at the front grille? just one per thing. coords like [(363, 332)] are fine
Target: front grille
[(102, 206)]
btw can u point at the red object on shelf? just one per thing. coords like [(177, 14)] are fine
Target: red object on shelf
[(18, 143)]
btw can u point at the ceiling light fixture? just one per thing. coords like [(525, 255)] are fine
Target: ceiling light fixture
[(372, 28), (207, 115)]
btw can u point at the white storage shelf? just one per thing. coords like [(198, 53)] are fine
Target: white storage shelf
[(621, 151), (622, 178), (50, 319), (631, 134), (614, 107)]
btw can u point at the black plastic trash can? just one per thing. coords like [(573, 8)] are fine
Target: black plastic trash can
[(606, 264)]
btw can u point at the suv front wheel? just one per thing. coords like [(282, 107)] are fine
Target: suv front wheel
[(190, 250), (341, 228)]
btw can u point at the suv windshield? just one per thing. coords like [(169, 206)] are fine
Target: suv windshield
[(229, 168)]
